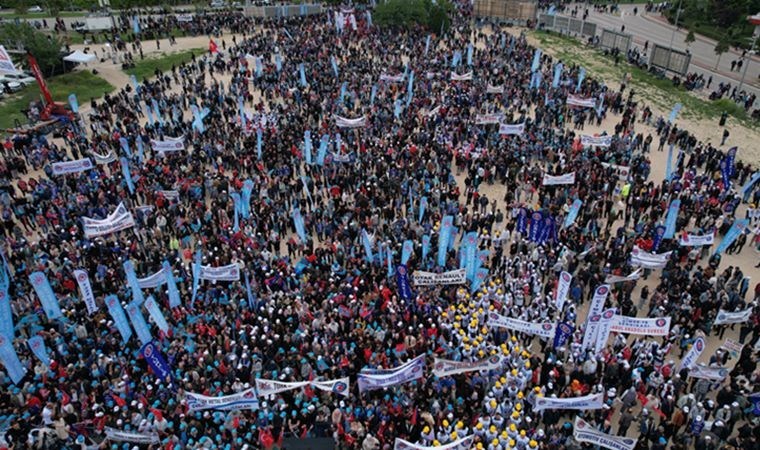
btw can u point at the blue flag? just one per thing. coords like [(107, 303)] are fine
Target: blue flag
[(74, 103), (343, 92), (427, 44), (334, 63), (736, 229), (258, 66), (581, 77), (471, 253), (9, 358), (670, 220), (389, 260), (251, 301), (456, 59), (748, 186), (158, 365), (135, 25), (727, 167), (37, 345), (118, 316), (196, 275), (372, 96), (369, 18), (155, 313), (6, 314), (536, 60), (469, 54), (236, 203), (157, 111), (127, 175), (258, 143), (425, 246), (124, 143), (423, 206), (410, 88), (406, 251), (562, 333), (171, 285), (572, 214), (674, 113), (139, 323), (397, 108), (480, 276), (299, 224), (140, 149), (135, 84), (278, 61), (134, 285), (367, 246), (669, 163), (307, 146), (241, 111), (659, 233), (302, 74), (322, 152), (402, 282), (536, 226), (557, 74), (444, 235), (44, 291)]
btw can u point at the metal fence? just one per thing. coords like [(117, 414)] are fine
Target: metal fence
[(670, 59), (282, 10), (612, 39), (567, 25)]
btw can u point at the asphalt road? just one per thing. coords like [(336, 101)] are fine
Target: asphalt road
[(654, 28)]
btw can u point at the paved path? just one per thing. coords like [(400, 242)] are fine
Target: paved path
[(654, 28)]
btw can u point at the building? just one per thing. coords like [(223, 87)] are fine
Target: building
[(512, 11)]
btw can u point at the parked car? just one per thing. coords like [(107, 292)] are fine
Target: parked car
[(24, 78), (34, 9), (11, 86), (217, 4)]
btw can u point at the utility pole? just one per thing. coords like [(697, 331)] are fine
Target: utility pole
[(754, 20), (673, 36)]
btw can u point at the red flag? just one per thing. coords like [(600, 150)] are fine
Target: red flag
[(156, 412), (212, 46), (118, 400)]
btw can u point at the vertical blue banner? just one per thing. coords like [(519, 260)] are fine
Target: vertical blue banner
[(6, 314), (389, 260), (236, 204), (367, 246), (140, 149), (157, 111), (572, 214), (135, 25), (37, 345), (258, 67), (456, 59), (423, 206), (557, 74), (245, 199), (427, 44), (302, 74), (10, 360), (471, 241), (196, 275), (674, 112), (727, 167), (747, 186), (397, 108), (135, 84), (406, 251), (669, 162), (425, 246), (44, 291), (241, 111), (480, 276), (134, 285), (536, 226), (581, 77), (307, 146), (562, 333), (372, 96), (322, 152), (299, 224), (278, 61), (118, 316), (410, 88), (343, 92), (444, 234), (251, 301), (139, 323), (402, 282), (334, 64), (670, 220), (124, 143), (158, 365), (369, 18), (127, 175), (171, 285), (258, 143), (155, 313), (736, 229), (74, 103), (659, 233), (536, 60), (469, 54)]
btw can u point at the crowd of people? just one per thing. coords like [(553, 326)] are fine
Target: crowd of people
[(325, 157)]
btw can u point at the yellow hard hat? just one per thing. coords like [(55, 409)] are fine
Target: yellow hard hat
[(520, 394), (514, 372), (504, 434), (518, 407), (522, 433), (492, 403), (453, 435), (445, 423), (460, 424), (479, 426), (498, 384), (479, 446), (492, 429), (515, 414), (514, 339), (527, 364), (426, 430), (503, 380), (495, 442), (512, 427), (533, 443), (436, 443)]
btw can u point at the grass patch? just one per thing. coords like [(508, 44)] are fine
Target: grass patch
[(82, 83), (658, 91), (147, 67), (44, 15)]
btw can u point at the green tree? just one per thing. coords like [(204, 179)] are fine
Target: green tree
[(410, 13), (690, 38), (46, 49), (720, 48)]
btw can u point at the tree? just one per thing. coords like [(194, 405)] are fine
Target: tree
[(690, 38), (410, 13), (720, 48), (46, 49)]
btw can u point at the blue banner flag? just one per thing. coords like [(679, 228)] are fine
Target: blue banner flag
[(456, 59), (44, 291), (736, 229), (259, 143), (156, 361), (727, 167), (299, 224), (134, 285), (322, 152), (241, 111), (659, 233), (746, 189), (369, 18), (171, 285), (670, 220), (135, 25), (157, 111), (6, 314), (423, 206), (139, 323), (397, 108), (196, 275), (135, 84), (258, 66), (307, 146), (343, 90), (427, 44), (127, 175), (118, 316), (251, 301), (674, 112), (236, 206), (74, 103), (536, 60), (245, 199), (469, 54), (581, 77), (562, 333), (480, 276), (444, 234), (669, 162), (198, 116), (536, 226), (557, 74), (406, 251), (140, 149), (548, 230), (572, 214), (124, 143), (372, 96), (425, 246), (154, 311), (402, 282), (367, 246), (334, 63), (410, 88), (389, 260), (37, 345), (278, 61), (471, 253), (302, 73), (9, 358)]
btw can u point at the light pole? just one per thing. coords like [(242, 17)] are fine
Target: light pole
[(754, 20), (673, 36)]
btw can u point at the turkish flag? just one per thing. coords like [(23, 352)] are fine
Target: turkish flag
[(212, 46)]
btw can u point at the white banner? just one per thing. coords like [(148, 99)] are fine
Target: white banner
[(733, 348), (445, 367), (112, 434), (585, 432), (421, 278), (100, 159), (659, 326), (512, 129), (544, 330), (170, 195), (339, 386), (695, 240), (596, 141), (708, 373), (230, 272), (612, 279), (563, 287), (242, 400), (152, 281), (80, 165), (6, 63), (118, 220), (622, 171), (725, 317), (168, 145), (693, 354), (184, 17), (457, 77), (578, 403), (551, 180), (342, 122), (488, 119), (269, 387), (494, 89), (647, 260), (594, 315), (412, 370), (392, 78), (574, 100), (86, 290), (460, 444), (603, 333)]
